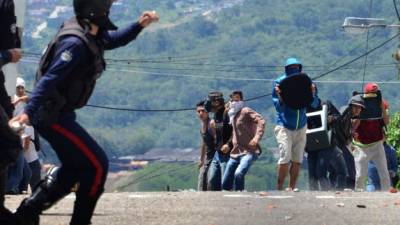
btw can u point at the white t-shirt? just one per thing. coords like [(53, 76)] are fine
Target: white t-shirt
[(19, 107), (30, 154)]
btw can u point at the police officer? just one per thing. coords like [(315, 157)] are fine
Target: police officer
[(9, 41), (10, 145), (66, 77)]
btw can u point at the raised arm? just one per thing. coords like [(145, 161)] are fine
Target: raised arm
[(121, 37)]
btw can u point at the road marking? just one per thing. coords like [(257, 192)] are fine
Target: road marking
[(280, 196), (238, 196), (252, 196), (351, 197), (144, 196), (325, 197)]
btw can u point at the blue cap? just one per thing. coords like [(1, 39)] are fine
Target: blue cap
[(292, 61)]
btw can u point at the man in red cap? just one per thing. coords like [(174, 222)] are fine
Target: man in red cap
[(368, 144)]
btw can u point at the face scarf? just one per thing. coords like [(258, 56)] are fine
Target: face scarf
[(292, 71), (234, 108)]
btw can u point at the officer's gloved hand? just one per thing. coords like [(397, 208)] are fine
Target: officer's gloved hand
[(147, 18)]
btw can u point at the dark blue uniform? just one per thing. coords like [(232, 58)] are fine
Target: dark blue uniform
[(10, 145), (83, 160)]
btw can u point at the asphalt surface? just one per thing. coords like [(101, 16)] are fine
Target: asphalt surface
[(233, 208)]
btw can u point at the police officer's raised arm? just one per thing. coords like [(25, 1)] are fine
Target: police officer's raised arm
[(121, 37)]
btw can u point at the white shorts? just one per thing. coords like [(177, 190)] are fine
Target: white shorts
[(291, 144)]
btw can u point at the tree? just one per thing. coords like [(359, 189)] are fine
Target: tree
[(393, 132)]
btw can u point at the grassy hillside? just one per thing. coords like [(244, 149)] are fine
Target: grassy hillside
[(200, 46)]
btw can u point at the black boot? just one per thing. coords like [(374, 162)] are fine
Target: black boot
[(46, 194), (6, 217)]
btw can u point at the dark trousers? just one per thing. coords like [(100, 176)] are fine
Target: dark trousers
[(36, 169), (3, 180), (83, 161), (323, 161), (351, 168), (332, 158), (312, 162)]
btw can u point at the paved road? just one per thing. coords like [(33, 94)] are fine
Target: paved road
[(233, 208)]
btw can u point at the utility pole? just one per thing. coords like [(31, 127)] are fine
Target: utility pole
[(396, 56)]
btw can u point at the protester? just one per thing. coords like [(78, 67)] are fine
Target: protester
[(248, 129), (223, 140), (207, 149), (290, 130), (329, 159), (368, 145)]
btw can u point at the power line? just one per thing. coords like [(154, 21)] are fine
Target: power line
[(253, 66), (258, 70), (219, 77), (357, 58), (254, 98), (396, 9), (140, 110)]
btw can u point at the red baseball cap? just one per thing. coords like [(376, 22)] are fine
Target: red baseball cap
[(371, 87)]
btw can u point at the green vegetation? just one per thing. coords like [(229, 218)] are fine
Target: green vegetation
[(393, 132), (183, 176), (175, 63)]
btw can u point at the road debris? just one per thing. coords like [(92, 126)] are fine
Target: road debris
[(340, 204)]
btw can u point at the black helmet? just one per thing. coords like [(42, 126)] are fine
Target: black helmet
[(96, 11)]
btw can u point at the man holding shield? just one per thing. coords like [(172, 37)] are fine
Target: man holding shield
[(291, 94)]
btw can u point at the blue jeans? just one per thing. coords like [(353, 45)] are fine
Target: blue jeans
[(26, 177), (235, 171), (216, 171), (15, 175)]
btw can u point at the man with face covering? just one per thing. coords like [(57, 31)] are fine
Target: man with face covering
[(248, 129), (223, 140), (66, 77), (290, 131)]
